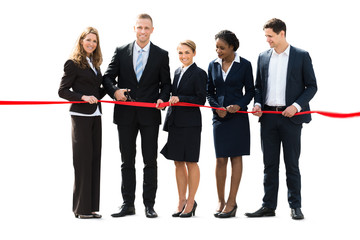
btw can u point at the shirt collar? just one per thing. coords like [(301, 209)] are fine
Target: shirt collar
[(183, 69), (286, 52), (138, 48), (236, 59)]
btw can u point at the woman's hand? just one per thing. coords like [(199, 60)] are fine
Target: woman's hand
[(221, 113), (174, 99), (89, 99), (233, 108)]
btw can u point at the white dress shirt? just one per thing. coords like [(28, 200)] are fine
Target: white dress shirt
[(145, 55), (97, 111), (276, 85), (219, 60)]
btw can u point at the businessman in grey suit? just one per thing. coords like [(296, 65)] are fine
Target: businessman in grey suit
[(285, 81), (141, 70)]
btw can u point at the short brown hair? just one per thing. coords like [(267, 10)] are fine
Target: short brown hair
[(276, 25)]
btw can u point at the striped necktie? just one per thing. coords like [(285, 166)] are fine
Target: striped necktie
[(139, 65)]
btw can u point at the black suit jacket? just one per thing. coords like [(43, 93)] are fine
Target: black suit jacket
[(191, 89), (154, 84), (300, 81), (81, 82)]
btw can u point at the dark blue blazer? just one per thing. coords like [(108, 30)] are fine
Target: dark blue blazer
[(191, 89), (222, 93), (300, 81)]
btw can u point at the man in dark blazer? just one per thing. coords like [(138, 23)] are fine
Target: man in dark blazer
[(142, 72), (285, 82)]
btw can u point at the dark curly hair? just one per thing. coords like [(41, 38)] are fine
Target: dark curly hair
[(229, 37)]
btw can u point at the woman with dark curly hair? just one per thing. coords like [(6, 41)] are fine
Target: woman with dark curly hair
[(228, 76)]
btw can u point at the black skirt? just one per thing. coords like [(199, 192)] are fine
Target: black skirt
[(232, 136), (183, 144)]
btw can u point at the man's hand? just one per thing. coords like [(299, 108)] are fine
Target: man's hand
[(158, 103), (257, 111), (289, 111), (119, 94)]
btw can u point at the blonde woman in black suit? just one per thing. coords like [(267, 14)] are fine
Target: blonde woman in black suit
[(184, 127), (81, 82)]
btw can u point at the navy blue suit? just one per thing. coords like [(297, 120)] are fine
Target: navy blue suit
[(276, 129), (231, 133)]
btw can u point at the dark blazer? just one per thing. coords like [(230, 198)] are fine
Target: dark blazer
[(155, 83), (300, 81), (81, 82), (191, 89), (222, 93)]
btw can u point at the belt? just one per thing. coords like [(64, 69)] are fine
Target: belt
[(274, 108)]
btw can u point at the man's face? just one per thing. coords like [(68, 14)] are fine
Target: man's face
[(143, 29), (274, 39)]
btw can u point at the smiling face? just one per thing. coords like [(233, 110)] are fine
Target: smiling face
[(275, 40), (143, 29), (89, 44), (223, 49), (186, 55)]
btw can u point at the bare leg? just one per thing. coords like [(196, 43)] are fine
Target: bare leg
[(236, 173), (220, 173), (193, 181), (182, 182)]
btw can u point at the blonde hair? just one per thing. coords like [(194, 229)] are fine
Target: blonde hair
[(144, 16), (189, 43), (79, 55)]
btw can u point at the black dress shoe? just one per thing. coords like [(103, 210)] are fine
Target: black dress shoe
[(125, 210), (232, 213), (150, 212), (296, 214), (262, 212), (216, 214), (190, 214)]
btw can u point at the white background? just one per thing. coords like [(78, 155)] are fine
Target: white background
[(36, 172)]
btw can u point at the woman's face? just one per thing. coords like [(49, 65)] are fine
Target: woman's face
[(89, 43), (186, 55), (223, 49)]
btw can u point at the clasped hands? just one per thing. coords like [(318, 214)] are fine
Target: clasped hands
[(230, 109), (120, 96), (288, 112)]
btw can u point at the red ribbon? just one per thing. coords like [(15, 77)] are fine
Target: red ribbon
[(183, 104)]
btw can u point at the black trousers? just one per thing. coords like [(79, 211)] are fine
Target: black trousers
[(86, 143), (149, 147), (276, 130)]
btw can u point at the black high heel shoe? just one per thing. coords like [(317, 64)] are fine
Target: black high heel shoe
[(177, 214), (232, 213), (190, 214)]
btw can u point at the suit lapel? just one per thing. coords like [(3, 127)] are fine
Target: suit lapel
[(266, 62), (176, 80), (186, 76), (234, 68), (291, 63), (129, 60)]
